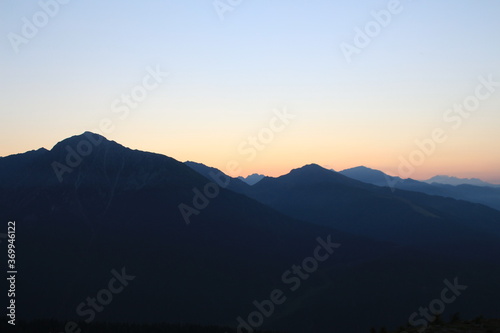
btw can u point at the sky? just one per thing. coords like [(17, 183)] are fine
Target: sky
[(407, 87)]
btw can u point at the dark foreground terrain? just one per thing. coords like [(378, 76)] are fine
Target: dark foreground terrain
[(54, 326), (477, 325)]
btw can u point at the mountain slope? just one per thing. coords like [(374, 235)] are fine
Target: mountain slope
[(214, 175), (328, 198), (486, 195)]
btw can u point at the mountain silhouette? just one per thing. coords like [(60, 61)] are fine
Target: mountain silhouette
[(252, 179), (120, 208), (447, 180), (486, 195)]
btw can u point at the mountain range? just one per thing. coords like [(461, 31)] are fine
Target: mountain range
[(440, 179), (482, 192), (208, 249)]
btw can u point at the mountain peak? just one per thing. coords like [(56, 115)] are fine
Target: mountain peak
[(313, 173), (368, 175), (362, 168), (309, 169), (252, 179), (85, 141)]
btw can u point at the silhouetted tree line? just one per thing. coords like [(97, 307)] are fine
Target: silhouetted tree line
[(56, 326)]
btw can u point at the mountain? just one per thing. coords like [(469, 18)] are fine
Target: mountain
[(379, 178), (486, 195), (445, 228), (189, 250), (89, 160), (79, 218), (252, 179), (213, 174), (328, 198), (447, 180), (370, 176)]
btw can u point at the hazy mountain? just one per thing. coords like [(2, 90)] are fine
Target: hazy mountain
[(486, 195), (370, 176), (252, 179), (447, 180), (376, 177), (117, 208)]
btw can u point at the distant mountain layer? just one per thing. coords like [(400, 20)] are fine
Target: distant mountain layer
[(447, 180), (252, 179), (486, 195)]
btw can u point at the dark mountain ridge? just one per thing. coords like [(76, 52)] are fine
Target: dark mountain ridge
[(119, 209)]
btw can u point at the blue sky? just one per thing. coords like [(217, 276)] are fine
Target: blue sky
[(227, 76)]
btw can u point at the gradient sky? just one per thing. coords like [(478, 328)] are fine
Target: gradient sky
[(226, 78)]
